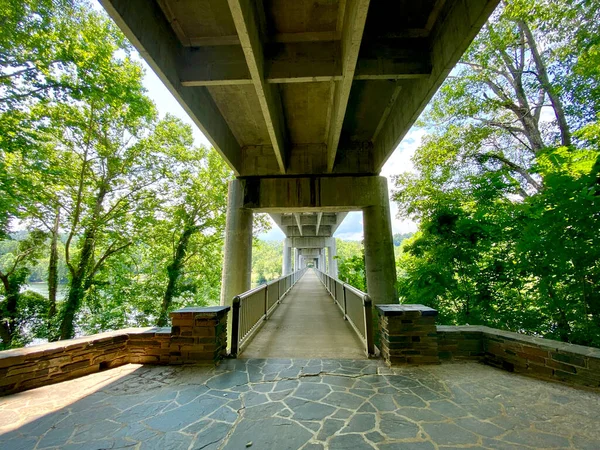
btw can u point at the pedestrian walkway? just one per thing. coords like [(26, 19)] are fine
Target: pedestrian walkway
[(307, 324)]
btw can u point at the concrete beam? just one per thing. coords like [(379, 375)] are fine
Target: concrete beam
[(248, 27), (319, 218), (310, 252), (308, 231), (308, 242), (449, 38), (310, 194), (306, 62), (352, 31), (298, 223), (148, 30)]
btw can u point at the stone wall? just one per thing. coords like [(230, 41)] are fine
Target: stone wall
[(537, 357), (31, 367), (408, 334)]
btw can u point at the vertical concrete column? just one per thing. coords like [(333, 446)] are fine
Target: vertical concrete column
[(331, 261), (287, 257), (380, 264), (297, 260), (237, 258)]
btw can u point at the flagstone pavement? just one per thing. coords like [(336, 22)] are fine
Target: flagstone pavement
[(301, 404)]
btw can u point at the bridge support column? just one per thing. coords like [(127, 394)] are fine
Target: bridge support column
[(297, 260), (332, 252), (237, 258), (380, 264), (287, 257)]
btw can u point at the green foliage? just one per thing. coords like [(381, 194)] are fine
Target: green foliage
[(135, 213), (351, 263), (507, 185), (267, 261)]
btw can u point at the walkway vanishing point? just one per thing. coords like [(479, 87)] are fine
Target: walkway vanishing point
[(307, 324)]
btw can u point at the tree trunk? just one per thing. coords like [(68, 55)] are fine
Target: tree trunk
[(8, 322), (173, 273), (544, 79), (53, 267), (76, 286)]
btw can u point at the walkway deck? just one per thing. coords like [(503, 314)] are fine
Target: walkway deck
[(307, 324)]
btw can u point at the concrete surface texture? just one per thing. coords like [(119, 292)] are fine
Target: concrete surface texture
[(302, 87), (307, 324), (304, 404)]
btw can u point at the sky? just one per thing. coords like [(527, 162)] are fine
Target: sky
[(352, 227)]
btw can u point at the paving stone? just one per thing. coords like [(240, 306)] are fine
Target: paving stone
[(375, 436), (167, 441), (536, 439), (312, 391), (478, 427), (364, 393), (228, 380), (448, 409), (420, 415), (212, 436), (349, 442), (409, 400), (224, 414), (285, 435), (285, 385), (254, 398), (383, 402), (330, 427), (342, 414), (95, 430), (360, 423), (457, 405), (334, 380), (366, 407), (184, 415), (395, 427), (311, 425), (313, 446), (311, 411), (343, 400), (263, 411), (449, 434), (55, 437), (408, 446)]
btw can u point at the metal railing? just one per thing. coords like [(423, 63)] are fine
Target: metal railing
[(251, 308), (356, 306)]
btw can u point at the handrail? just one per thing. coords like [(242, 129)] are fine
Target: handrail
[(251, 308), (355, 305)]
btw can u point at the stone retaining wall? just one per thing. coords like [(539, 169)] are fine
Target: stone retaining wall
[(537, 357), (31, 367)]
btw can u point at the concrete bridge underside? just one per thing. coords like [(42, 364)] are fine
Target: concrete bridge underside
[(305, 100)]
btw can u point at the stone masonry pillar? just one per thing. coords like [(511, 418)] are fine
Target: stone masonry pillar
[(237, 258), (287, 257), (380, 264)]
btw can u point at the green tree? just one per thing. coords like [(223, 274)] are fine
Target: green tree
[(506, 189), (14, 258)]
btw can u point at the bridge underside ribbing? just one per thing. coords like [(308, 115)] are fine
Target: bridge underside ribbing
[(307, 324)]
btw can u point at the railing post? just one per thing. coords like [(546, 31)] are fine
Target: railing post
[(368, 305), (345, 310), (266, 301), (235, 326), (278, 292)]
